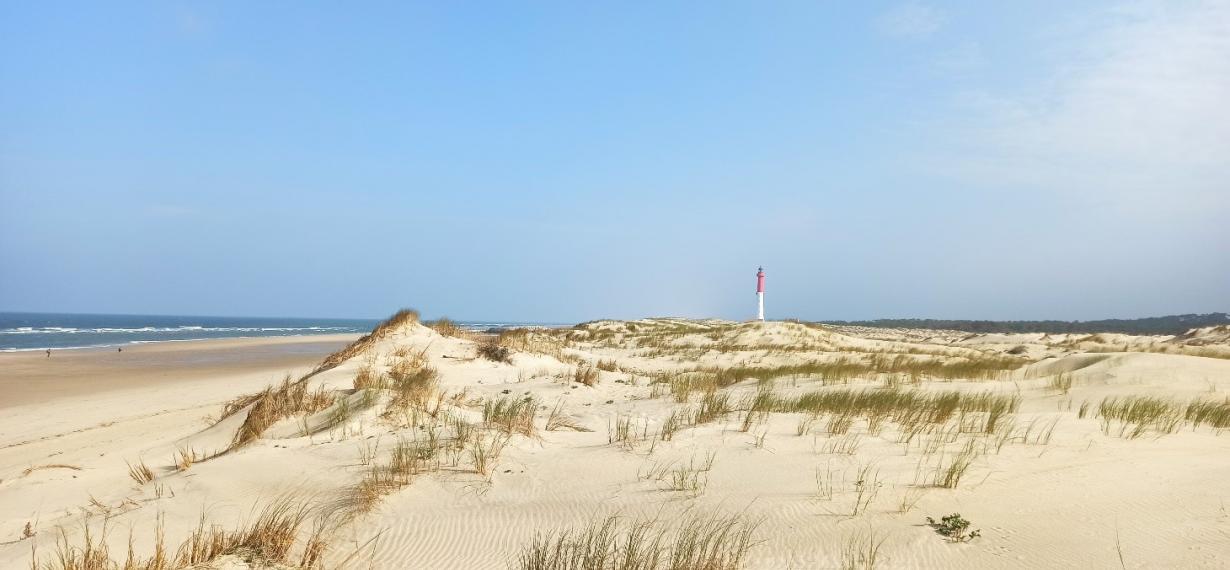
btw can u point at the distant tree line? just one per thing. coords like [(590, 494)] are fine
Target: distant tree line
[(1171, 325)]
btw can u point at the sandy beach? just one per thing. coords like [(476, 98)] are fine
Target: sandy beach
[(791, 445), (76, 392), (28, 377)]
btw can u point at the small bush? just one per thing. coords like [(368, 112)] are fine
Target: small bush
[(493, 351), (954, 527)]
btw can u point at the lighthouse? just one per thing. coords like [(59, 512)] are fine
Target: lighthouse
[(760, 294)]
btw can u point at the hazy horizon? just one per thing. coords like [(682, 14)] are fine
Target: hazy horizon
[(562, 162), (378, 318)]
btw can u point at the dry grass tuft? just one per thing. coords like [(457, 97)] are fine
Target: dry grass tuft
[(398, 320), (702, 541), (367, 377), (30, 470), (184, 458), (141, 473), (447, 327), (274, 404), (493, 351), (511, 415), (861, 551), (559, 420), (406, 461), (485, 451), (267, 541), (587, 375)]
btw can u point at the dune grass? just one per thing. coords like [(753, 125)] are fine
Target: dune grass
[(367, 377), (861, 551), (895, 369), (701, 541), (447, 327), (905, 408), (558, 419), (1136, 416), (1214, 414), (383, 330), (406, 460), (532, 341), (269, 539), (512, 415), (272, 404)]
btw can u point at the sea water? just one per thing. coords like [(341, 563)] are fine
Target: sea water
[(40, 331)]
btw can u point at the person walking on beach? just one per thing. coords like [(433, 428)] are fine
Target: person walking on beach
[(48, 353)]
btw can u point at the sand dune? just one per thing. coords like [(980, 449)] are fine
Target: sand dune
[(1047, 477)]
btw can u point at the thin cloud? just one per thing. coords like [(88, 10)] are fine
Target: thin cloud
[(1136, 112)]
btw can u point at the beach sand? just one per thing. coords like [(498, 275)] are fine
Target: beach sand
[(29, 377), (1049, 484), (78, 394)]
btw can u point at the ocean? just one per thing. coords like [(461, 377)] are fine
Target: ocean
[(40, 331)]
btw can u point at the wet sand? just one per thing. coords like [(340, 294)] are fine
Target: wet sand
[(32, 378)]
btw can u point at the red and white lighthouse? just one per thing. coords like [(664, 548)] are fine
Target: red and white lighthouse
[(760, 294)]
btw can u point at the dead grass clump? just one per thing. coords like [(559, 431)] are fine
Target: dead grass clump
[(413, 382), (141, 473), (492, 350), (447, 327), (607, 365), (532, 340), (30, 470), (702, 541), (587, 375), (367, 377), (184, 458), (274, 404)]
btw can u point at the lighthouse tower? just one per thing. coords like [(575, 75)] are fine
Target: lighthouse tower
[(760, 294)]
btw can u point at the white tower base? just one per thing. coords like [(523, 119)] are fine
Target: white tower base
[(760, 305)]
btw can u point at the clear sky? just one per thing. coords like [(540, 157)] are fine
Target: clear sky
[(564, 161)]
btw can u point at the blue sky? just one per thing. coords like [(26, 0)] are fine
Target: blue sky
[(563, 161)]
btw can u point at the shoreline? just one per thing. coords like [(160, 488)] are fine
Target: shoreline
[(31, 378), (136, 343)]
